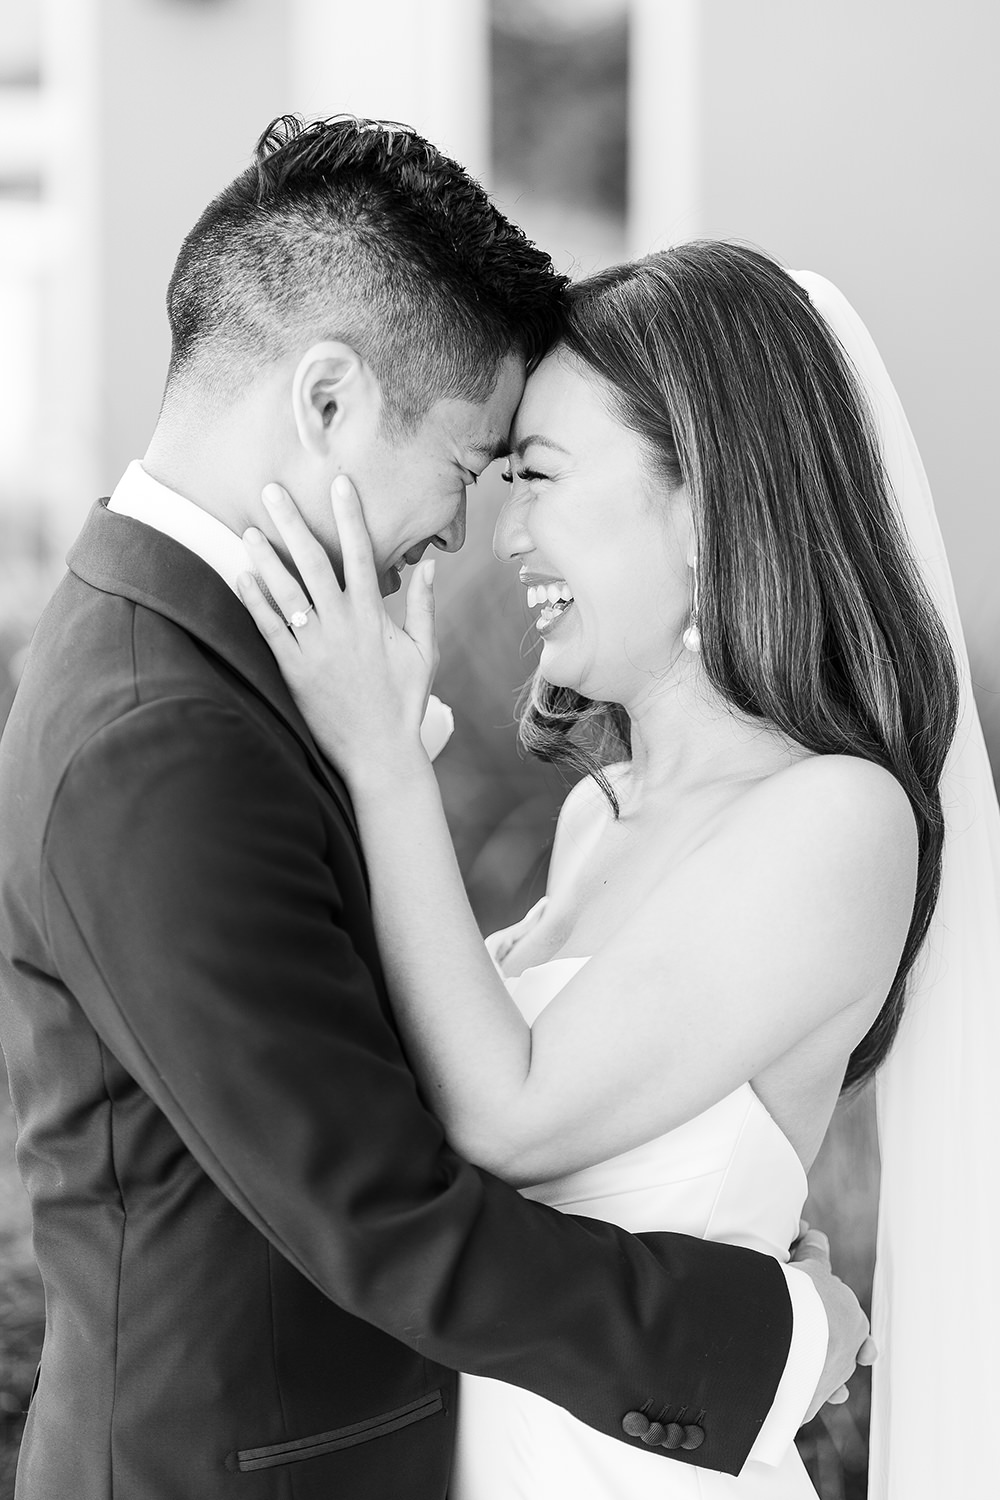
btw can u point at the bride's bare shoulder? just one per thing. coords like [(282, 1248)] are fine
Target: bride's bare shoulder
[(850, 809), (840, 785)]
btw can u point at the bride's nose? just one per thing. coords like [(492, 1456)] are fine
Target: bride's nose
[(510, 539)]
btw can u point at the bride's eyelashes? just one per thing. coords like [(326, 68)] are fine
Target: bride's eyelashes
[(508, 475)]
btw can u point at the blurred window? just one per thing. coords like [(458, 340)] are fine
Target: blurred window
[(20, 44), (560, 122)]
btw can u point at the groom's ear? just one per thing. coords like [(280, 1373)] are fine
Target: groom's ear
[(332, 387)]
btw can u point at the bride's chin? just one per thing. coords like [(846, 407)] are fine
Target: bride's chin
[(573, 681), (609, 687)]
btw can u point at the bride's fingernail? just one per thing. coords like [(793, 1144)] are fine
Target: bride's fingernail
[(342, 485), (271, 495), (253, 535)]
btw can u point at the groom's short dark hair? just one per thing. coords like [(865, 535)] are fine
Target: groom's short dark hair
[(362, 231)]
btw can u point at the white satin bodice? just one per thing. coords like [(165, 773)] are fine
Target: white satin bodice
[(730, 1174)]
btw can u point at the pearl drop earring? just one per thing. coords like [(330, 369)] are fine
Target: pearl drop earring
[(691, 639)]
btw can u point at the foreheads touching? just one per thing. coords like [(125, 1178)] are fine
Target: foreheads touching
[(362, 233)]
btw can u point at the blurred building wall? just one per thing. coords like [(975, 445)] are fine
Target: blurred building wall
[(859, 140), (150, 106), (156, 105), (423, 64), (181, 92)]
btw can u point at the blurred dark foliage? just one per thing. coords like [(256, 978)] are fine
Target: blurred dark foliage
[(26, 573), (22, 1311), (843, 1202), (985, 668), (26, 570)]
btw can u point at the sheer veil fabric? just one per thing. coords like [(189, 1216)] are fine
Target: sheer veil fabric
[(936, 1316)]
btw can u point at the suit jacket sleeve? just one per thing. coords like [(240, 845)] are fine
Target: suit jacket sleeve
[(193, 911)]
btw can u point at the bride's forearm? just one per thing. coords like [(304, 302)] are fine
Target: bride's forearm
[(465, 1037)]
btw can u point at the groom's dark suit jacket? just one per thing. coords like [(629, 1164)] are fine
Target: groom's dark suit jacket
[(261, 1261)]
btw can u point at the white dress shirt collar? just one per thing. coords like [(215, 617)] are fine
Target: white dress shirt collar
[(145, 499)]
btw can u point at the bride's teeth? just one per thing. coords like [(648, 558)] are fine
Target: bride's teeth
[(549, 593)]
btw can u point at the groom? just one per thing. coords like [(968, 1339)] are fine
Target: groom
[(262, 1263)]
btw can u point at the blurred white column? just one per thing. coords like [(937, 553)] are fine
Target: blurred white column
[(154, 106), (71, 415), (424, 64), (664, 179)]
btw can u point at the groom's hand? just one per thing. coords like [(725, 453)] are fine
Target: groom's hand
[(850, 1343)]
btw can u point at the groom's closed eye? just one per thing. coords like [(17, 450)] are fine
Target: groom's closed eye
[(489, 451)]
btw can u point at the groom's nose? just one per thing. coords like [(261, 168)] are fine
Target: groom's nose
[(452, 537)]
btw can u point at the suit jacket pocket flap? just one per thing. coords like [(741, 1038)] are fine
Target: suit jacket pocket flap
[(245, 1459)]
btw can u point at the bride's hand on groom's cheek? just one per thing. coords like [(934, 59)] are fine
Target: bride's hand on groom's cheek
[(360, 680)]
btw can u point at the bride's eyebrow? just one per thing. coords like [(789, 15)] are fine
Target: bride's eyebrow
[(523, 444)]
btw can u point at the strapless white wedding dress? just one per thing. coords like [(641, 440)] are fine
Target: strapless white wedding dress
[(729, 1174)]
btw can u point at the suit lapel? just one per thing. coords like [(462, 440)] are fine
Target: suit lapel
[(123, 556)]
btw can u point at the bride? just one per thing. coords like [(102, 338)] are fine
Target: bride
[(742, 657)]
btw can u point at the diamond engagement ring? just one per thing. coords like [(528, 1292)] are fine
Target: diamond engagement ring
[(300, 617)]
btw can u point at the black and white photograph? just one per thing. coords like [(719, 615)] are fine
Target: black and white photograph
[(499, 750)]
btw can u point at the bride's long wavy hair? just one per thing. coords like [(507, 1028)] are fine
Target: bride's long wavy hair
[(813, 615)]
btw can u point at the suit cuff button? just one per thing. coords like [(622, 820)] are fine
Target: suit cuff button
[(635, 1424), (693, 1437)]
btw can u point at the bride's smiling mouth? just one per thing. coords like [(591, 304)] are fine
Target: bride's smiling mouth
[(553, 594)]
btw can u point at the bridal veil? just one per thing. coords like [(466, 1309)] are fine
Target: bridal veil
[(936, 1314)]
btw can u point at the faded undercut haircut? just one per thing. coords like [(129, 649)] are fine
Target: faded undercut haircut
[(359, 231)]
